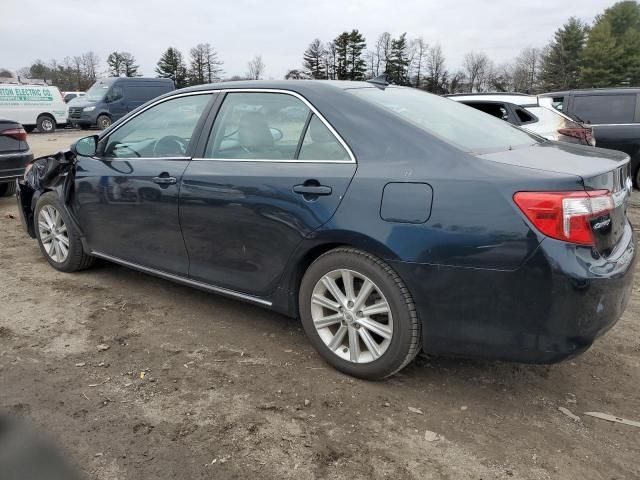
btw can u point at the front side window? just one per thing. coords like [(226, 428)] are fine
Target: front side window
[(605, 108), (468, 129), (258, 126), (163, 130)]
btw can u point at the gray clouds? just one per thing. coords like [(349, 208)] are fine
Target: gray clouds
[(279, 30)]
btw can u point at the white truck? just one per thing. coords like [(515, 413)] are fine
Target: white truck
[(34, 106)]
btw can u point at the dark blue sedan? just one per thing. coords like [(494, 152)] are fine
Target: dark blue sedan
[(387, 219)]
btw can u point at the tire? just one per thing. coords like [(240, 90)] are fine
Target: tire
[(399, 340), (638, 178), (7, 189), (29, 128), (46, 124), (103, 121), (75, 259)]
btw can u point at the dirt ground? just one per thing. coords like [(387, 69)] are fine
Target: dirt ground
[(194, 385)]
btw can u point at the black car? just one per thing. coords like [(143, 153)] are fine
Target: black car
[(614, 115), (14, 155), (388, 219)]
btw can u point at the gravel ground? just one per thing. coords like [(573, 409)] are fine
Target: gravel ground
[(191, 385)]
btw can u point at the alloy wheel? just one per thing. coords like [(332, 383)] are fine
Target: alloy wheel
[(351, 316), (53, 233)]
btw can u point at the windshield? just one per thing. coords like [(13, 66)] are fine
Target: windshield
[(465, 127), (97, 92)]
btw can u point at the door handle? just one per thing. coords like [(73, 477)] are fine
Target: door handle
[(164, 179), (312, 189)]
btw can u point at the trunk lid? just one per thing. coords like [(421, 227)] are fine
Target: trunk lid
[(599, 170)]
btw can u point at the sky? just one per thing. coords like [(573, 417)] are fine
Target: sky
[(279, 30)]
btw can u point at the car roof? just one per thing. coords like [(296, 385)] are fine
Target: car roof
[(593, 90), (293, 85), (515, 98)]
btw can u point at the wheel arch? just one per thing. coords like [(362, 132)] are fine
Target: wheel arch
[(286, 297)]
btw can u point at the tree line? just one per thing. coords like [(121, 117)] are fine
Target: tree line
[(604, 54), (202, 66)]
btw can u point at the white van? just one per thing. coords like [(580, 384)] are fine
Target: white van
[(33, 106)]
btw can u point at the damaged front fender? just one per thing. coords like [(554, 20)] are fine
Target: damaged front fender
[(44, 174)]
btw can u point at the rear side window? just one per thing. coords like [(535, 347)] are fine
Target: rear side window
[(605, 108), (498, 110), (524, 116), (320, 144), (558, 103), (452, 122)]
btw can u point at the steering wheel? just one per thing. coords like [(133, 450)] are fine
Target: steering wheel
[(170, 145)]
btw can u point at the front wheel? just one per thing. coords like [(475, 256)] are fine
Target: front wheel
[(57, 237), (103, 121), (358, 314)]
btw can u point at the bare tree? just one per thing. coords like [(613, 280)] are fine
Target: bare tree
[(526, 70), (478, 69), (419, 48), (256, 68), (436, 70), (90, 63)]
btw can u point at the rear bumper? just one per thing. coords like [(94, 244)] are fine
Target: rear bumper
[(551, 308), (12, 165)]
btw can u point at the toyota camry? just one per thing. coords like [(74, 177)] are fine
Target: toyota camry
[(387, 219)]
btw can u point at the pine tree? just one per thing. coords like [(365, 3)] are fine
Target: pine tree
[(341, 44), (171, 65), (114, 62), (612, 54), (356, 63), (313, 60), (129, 65), (397, 65), (562, 62)]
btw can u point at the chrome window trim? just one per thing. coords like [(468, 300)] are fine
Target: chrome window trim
[(352, 158), (182, 280), (612, 124)]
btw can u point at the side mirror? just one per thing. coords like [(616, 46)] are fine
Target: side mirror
[(86, 147)]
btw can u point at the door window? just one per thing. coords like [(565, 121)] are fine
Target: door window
[(320, 144), (163, 130), (114, 94), (498, 110), (258, 126), (605, 108)]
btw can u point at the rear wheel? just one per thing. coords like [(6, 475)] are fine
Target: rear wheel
[(7, 189), (638, 178), (358, 314), (58, 239), (46, 124), (103, 121)]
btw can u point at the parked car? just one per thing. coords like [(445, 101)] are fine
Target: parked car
[(68, 96), (531, 113), (614, 115), (109, 99), (388, 219), (33, 106), (14, 155)]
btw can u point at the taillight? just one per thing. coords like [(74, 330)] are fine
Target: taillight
[(578, 132), (566, 216), (17, 133)]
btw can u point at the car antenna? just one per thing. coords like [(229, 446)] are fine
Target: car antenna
[(380, 81)]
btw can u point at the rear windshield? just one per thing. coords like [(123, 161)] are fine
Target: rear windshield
[(465, 127)]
